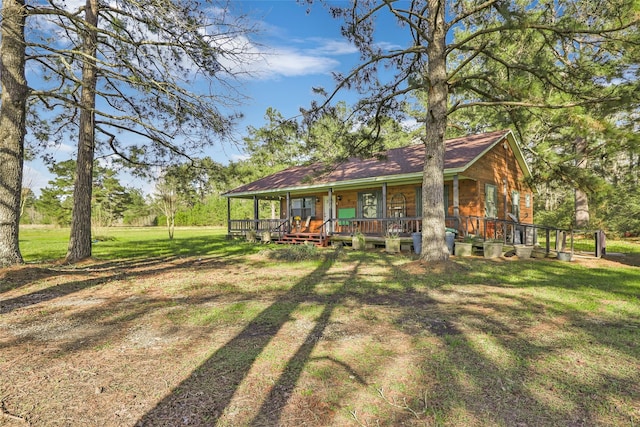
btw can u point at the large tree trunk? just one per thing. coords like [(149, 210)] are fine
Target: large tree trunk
[(434, 247), (80, 240), (12, 127), (581, 198)]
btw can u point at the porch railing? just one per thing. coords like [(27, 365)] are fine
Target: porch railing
[(378, 226), (242, 226), (404, 226), (510, 232)]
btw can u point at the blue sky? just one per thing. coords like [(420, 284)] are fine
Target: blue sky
[(300, 51), (302, 47)]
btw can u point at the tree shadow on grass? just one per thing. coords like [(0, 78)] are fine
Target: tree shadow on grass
[(486, 360), (492, 382), (102, 272), (516, 358), (203, 397), (629, 259), (205, 245)]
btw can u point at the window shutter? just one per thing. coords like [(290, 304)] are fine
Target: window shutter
[(490, 197), (515, 204)]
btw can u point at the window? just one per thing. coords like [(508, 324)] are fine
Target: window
[(370, 204), (515, 204), (303, 207), (490, 199)]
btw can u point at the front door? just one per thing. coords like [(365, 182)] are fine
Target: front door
[(328, 209)]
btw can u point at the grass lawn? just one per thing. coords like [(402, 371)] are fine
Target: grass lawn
[(204, 331)]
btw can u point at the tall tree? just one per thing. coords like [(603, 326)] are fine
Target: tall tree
[(80, 239), (161, 73), (138, 209), (12, 127), (455, 54), (110, 198)]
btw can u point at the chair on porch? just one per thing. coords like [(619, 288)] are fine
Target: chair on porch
[(305, 226)]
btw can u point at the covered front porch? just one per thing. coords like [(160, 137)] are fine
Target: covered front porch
[(377, 229), (512, 234), (369, 209)]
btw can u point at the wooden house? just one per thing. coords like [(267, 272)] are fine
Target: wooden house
[(485, 191)]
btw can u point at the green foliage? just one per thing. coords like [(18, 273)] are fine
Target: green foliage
[(295, 253), (621, 210), (274, 146), (28, 212), (56, 199), (212, 212), (110, 199), (561, 215), (138, 210)]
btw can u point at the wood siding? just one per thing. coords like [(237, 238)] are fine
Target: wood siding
[(497, 166)]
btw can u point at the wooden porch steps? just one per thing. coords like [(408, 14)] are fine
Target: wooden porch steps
[(301, 238)]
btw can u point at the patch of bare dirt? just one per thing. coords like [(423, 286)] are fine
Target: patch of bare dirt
[(423, 267)]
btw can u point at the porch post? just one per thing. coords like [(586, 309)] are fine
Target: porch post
[(288, 207), (504, 196), (228, 216), (384, 200), (456, 196), (255, 213), (329, 227)]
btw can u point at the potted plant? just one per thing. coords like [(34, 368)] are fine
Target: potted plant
[(392, 242), (358, 241), (492, 248), (523, 251), (251, 236), (564, 256), (464, 247), (538, 252)]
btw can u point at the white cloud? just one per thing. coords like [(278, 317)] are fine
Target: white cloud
[(64, 148), (333, 47), (249, 60), (35, 178), (289, 62)]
